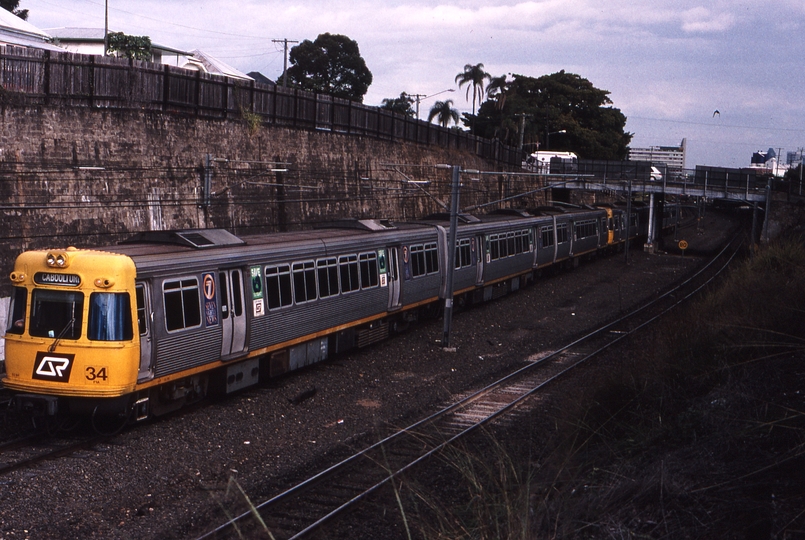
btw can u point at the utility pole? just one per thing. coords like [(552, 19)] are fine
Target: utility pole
[(417, 97), (284, 59), (105, 27), (420, 97), (522, 130), (451, 257)]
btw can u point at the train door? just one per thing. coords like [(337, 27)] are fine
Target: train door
[(478, 246), (144, 320), (233, 316), (394, 278)]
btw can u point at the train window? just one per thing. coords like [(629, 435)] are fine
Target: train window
[(278, 284), (424, 259), (586, 228), (368, 263), (562, 235), (328, 277), (463, 253), (109, 317), (16, 311), (304, 281), (142, 317), (237, 294), (509, 244), (224, 295), (417, 254), (348, 270), (57, 314), (431, 258), (182, 307), (546, 233), (494, 247)]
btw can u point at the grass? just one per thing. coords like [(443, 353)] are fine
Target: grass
[(253, 120), (699, 432)]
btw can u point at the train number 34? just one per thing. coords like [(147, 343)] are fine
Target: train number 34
[(94, 374)]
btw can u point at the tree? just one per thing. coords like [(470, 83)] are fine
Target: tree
[(131, 47), (473, 77), (12, 5), (560, 102), (496, 90), (330, 65), (400, 105), (443, 111)]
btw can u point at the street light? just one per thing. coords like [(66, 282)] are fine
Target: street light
[(420, 97), (548, 137)]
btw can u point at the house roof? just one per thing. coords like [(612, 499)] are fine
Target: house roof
[(15, 31), (95, 35), (213, 65), (259, 77)]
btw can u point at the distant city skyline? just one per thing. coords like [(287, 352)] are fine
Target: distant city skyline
[(668, 68)]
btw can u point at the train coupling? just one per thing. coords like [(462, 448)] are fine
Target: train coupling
[(36, 405)]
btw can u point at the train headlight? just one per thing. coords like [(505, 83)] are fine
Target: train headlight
[(17, 277), (104, 283), (57, 259)]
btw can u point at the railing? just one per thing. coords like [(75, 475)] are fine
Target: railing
[(76, 80)]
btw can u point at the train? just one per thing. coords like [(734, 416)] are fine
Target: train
[(166, 318)]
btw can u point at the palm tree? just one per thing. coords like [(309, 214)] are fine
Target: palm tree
[(496, 89), (443, 111), (474, 77)]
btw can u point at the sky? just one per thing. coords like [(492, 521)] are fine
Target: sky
[(669, 66)]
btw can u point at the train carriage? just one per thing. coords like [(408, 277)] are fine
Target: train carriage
[(167, 318), (553, 236)]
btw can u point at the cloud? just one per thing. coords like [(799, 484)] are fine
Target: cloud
[(701, 19)]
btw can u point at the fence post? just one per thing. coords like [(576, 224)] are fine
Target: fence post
[(225, 97), (197, 96), (91, 82), (165, 87), (251, 96), (274, 106), (295, 107), (46, 78)]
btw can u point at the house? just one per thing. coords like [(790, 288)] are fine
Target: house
[(769, 162), (18, 33), (209, 64), (91, 41), (260, 78)]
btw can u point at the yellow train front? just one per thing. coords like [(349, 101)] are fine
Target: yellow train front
[(71, 342)]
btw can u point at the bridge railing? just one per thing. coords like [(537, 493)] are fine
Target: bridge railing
[(77, 80)]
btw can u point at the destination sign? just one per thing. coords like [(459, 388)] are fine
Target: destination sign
[(65, 280)]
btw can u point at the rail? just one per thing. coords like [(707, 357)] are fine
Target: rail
[(310, 506)]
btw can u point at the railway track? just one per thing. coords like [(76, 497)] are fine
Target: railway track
[(304, 509), (27, 449)]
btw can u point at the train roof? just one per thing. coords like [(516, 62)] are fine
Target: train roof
[(168, 250)]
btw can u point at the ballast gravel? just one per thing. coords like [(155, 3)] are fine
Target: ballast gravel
[(180, 476)]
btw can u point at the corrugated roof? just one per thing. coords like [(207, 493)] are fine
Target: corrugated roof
[(68, 33), (10, 23), (213, 65)]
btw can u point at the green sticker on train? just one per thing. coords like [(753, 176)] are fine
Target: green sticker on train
[(257, 282)]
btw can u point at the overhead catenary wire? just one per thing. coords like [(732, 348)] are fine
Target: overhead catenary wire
[(398, 184)]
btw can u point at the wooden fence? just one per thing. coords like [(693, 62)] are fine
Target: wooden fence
[(77, 80)]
